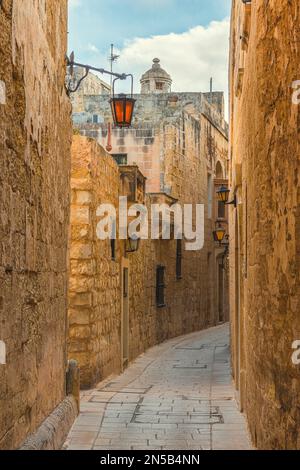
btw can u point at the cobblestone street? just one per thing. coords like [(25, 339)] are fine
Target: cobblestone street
[(177, 396)]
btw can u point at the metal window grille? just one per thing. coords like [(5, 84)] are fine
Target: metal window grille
[(179, 260), (113, 249), (160, 286)]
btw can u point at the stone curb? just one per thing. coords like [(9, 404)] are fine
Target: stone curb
[(53, 432)]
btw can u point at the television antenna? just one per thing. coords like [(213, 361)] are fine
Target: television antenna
[(112, 59)]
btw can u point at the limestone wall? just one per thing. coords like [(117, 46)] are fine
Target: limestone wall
[(177, 140), (184, 174), (96, 286), (95, 292), (265, 295), (143, 143), (34, 211)]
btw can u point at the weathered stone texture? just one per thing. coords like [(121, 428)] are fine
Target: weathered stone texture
[(95, 312), (144, 143), (94, 291), (177, 141), (265, 287), (191, 302), (53, 431), (34, 211)]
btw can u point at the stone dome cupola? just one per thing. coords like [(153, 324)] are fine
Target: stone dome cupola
[(156, 80)]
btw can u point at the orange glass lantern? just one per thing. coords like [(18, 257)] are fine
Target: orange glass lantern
[(122, 107), (219, 234)]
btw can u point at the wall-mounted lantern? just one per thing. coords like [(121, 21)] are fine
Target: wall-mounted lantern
[(223, 196), (122, 106), (219, 234), (132, 244)]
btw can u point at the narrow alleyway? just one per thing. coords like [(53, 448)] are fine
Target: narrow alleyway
[(177, 396)]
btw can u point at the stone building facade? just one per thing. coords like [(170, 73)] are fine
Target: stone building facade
[(265, 225), (178, 142), (156, 80), (35, 139)]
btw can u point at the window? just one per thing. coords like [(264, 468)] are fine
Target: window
[(120, 158), (125, 283), (113, 235), (113, 249), (221, 210), (159, 85), (219, 171), (179, 260), (95, 119), (160, 286)]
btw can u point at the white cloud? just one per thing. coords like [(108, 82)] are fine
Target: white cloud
[(191, 58), (92, 48), (74, 3)]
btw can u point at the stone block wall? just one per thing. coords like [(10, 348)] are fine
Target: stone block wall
[(95, 312), (192, 301), (143, 143), (35, 138), (94, 292), (35, 143), (265, 262), (177, 141)]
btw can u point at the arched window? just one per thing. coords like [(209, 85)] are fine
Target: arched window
[(219, 171)]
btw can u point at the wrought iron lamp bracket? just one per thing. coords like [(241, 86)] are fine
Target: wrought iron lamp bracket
[(233, 202), (73, 90), (71, 63), (122, 77)]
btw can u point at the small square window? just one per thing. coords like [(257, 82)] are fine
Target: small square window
[(120, 158)]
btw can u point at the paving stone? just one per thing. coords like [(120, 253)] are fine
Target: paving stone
[(163, 401), (79, 447)]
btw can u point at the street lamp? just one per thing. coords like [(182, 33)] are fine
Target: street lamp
[(219, 234), (223, 196), (122, 107), (132, 244)]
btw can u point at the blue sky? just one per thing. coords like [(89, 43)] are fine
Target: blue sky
[(102, 22), (191, 37)]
